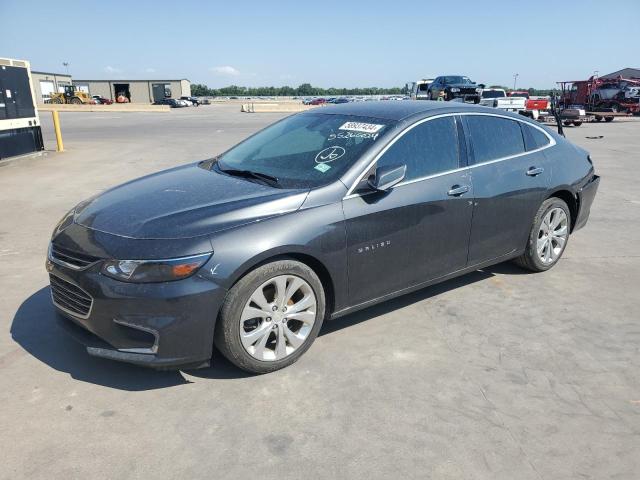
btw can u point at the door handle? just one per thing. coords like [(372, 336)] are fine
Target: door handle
[(458, 190), (534, 171)]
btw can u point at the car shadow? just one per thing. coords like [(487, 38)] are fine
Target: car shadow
[(403, 301), (35, 328)]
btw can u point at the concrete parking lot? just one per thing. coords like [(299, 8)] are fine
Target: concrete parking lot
[(499, 374)]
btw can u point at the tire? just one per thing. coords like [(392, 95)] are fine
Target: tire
[(598, 118), (76, 101), (608, 119), (56, 101), (566, 123), (531, 259), (577, 123), (229, 329)]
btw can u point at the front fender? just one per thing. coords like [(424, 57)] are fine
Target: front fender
[(317, 233)]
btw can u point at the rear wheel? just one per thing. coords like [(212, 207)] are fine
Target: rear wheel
[(56, 100), (577, 123), (271, 316), (76, 101), (548, 237), (608, 119)]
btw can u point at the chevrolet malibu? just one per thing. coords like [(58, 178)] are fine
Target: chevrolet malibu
[(321, 214)]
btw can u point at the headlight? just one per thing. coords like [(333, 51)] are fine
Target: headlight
[(455, 90), (148, 271)]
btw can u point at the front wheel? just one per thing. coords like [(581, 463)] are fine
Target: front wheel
[(271, 317), (548, 237)]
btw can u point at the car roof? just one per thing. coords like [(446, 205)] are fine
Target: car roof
[(399, 110)]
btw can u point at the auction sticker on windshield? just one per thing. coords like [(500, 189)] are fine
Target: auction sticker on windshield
[(362, 127)]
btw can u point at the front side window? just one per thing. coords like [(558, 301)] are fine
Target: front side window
[(494, 137), (306, 150), (427, 149)]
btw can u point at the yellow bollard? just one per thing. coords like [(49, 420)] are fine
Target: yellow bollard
[(56, 127)]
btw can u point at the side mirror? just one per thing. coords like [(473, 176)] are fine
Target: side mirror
[(386, 178)]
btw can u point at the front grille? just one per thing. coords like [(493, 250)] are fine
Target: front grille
[(71, 258), (468, 91), (70, 298)]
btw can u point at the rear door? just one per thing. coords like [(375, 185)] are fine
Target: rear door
[(419, 230), (510, 180)]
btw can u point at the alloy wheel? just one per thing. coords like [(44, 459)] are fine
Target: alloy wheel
[(552, 235), (278, 318)]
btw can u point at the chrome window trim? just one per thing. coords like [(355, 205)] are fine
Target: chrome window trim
[(551, 143)]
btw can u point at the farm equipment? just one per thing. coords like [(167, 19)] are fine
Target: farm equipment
[(71, 95), (598, 99)]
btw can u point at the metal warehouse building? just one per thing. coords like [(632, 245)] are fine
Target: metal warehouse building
[(136, 91)]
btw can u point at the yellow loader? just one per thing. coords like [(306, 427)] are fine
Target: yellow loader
[(71, 95)]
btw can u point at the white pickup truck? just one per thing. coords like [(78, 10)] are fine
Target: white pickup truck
[(497, 98)]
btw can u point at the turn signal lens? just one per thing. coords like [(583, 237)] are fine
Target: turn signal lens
[(185, 269), (150, 271)]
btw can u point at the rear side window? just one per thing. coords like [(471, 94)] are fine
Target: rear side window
[(427, 149), (494, 137), (533, 137)]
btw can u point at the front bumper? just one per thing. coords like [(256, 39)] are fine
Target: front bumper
[(161, 325)]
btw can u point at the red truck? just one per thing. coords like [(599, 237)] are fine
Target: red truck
[(534, 106)]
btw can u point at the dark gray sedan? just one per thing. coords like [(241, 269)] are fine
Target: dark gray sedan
[(321, 214)]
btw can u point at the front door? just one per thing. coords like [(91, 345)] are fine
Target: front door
[(419, 230)]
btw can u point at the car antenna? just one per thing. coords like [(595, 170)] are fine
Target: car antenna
[(556, 113)]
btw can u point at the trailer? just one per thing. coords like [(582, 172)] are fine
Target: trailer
[(20, 131), (598, 99)]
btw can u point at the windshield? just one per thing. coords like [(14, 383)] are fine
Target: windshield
[(456, 80), (423, 87), (306, 150), (493, 94)]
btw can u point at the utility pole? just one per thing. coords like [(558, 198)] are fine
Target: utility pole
[(66, 65), (515, 79)]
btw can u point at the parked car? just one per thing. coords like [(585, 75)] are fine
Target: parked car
[(341, 100), (317, 101), (321, 214), (101, 100), (172, 102), (455, 87), (497, 98), (192, 101)]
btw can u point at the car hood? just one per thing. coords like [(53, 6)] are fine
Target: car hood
[(184, 202)]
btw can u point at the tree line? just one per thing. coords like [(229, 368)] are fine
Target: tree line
[(308, 90), (304, 90)]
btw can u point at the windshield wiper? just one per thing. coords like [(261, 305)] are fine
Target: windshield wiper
[(270, 179)]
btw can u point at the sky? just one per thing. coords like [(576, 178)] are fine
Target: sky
[(325, 43)]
